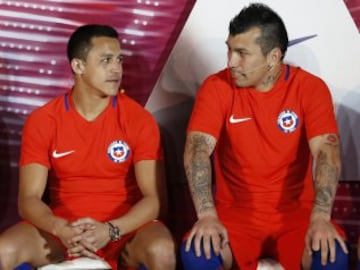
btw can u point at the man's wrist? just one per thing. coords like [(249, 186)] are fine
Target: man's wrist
[(320, 215), (211, 212), (57, 225), (114, 232)]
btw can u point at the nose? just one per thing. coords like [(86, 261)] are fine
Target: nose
[(116, 67), (233, 60)]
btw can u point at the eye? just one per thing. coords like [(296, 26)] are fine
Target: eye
[(120, 59), (106, 60), (243, 53)]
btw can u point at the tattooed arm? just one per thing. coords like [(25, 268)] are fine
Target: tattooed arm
[(207, 231), (322, 234), (326, 153), (198, 148)]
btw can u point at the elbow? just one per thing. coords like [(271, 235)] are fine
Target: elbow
[(22, 208), (26, 204), (159, 210)]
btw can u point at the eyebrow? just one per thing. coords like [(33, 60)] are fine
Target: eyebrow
[(107, 55), (237, 49), (112, 55)]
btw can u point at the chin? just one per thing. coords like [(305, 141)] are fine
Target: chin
[(241, 84), (112, 92)]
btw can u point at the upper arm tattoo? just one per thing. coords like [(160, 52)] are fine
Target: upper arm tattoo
[(198, 170), (327, 172)]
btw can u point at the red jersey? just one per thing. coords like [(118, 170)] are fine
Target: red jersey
[(262, 158), (91, 163)]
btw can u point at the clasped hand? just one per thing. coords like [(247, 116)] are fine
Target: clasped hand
[(84, 237)]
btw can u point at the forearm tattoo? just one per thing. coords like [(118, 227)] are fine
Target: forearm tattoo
[(198, 171), (327, 175)]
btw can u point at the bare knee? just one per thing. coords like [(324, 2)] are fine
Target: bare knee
[(8, 256), (160, 254)]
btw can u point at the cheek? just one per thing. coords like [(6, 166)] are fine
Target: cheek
[(234, 60)]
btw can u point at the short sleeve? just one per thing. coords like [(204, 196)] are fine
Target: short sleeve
[(35, 140), (318, 109), (148, 142), (211, 106), (141, 130)]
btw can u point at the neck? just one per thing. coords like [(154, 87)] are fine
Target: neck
[(270, 79), (89, 106)]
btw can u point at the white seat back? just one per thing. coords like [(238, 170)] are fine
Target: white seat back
[(78, 264)]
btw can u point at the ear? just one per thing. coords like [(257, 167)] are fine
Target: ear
[(274, 57), (77, 65)]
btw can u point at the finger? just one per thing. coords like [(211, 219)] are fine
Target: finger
[(315, 244), (332, 250), (89, 254), (77, 230), (216, 245), (197, 244), (75, 251), (342, 243), (308, 245), (88, 245), (82, 221), (189, 241), (324, 251), (224, 243), (207, 246), (89, 236), (87, 226), (74, 240), (224, 239), (74, 254)]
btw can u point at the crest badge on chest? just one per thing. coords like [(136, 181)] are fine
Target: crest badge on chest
[(288, 121), (118, 151)]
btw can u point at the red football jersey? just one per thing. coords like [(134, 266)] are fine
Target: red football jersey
[(91, 163), (262, 159)]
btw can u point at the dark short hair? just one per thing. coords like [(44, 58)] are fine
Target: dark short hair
[(273, 30), (80, 41)]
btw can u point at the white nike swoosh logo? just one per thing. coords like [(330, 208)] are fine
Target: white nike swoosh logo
[(55, 154), (234, 120)]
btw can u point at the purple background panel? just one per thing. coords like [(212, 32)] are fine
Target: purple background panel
[(34, 67)]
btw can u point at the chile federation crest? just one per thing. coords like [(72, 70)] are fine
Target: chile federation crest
[(287, 121), (118, 151)]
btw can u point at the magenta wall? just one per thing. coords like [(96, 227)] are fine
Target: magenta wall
[(354, 8)]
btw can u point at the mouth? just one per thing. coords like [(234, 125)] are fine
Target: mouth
[(113, 81), (237, 74)]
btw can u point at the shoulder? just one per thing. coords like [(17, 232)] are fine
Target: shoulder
[(306, 77), (307, 85), (50, 110), (218, 84), (221, 78), (131, 108)]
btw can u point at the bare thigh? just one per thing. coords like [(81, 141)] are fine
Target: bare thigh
[(32, 245), (137, 249), (306, 260)]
